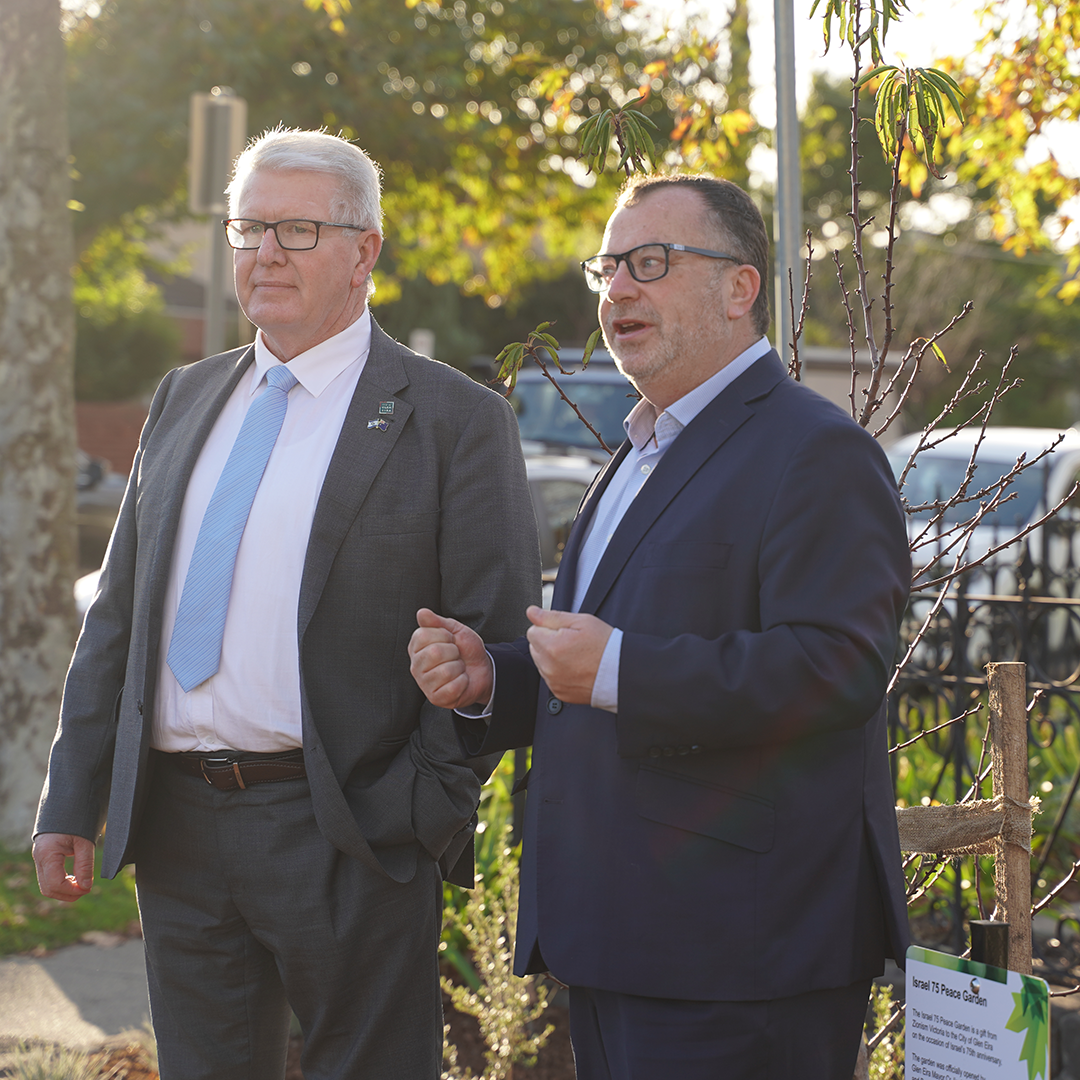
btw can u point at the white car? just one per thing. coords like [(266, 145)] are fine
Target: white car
[(940, 469), (991, 621)]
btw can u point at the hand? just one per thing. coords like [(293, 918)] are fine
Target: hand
[(566, 649), (51, 851), (449, 663)]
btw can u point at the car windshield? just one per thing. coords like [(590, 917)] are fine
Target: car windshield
[(937, 478), (544, 417)]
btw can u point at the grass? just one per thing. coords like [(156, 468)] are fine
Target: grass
[(31, 923)]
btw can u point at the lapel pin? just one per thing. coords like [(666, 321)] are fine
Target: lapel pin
[(380, 425), (386, 408)]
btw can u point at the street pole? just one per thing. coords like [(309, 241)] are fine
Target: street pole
[(218, 124), (787, 216)]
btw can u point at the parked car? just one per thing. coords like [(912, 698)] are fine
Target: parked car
[(549, 425), (558, 484), (940, 469), (98, 492), (992, 627)]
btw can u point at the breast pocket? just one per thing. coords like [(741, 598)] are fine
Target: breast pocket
[(723, 813)]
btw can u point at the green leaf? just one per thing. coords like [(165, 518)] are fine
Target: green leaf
[(870, 75), (594, 337)]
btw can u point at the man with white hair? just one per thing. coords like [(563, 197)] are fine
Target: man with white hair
[(239, 706)]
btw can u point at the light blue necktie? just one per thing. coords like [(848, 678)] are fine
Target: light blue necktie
[(195, 648)]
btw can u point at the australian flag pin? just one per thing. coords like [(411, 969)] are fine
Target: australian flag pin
[(380, 425), (386, 408)]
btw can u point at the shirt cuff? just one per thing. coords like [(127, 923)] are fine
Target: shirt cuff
[(474, 712), (605, 691)]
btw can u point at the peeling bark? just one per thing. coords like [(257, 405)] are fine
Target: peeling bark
[(37, 427)]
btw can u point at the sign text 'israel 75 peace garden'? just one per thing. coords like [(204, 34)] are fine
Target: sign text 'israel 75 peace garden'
[(969, 1021)]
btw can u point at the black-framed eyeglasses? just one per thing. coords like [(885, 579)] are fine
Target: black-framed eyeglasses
[(647, 262), (293, 234)]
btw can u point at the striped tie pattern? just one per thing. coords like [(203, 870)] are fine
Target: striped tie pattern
[(195, 648)]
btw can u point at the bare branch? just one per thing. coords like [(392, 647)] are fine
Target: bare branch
[(1051, 896), (929, 731), (888, 1026), (795, 366), (877, 366)]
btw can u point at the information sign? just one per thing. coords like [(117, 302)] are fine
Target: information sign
[(969, 1021)]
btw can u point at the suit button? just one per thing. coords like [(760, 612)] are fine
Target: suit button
[(682, 751), (554, 706), (695, 749), (669, 751), (654, 751)]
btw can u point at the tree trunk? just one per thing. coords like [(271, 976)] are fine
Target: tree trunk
[(37, 440)]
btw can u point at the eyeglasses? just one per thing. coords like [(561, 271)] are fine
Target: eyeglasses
[(649, 262), (295, 234)]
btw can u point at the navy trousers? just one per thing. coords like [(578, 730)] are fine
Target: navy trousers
[(812, 1036)]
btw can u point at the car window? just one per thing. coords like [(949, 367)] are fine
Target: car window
[(544, 417), (561, 499), (937, 478)]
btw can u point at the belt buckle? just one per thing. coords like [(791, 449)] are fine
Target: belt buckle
[(224, 763)]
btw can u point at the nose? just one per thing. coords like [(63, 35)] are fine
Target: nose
[(622, 284), (270, 251)]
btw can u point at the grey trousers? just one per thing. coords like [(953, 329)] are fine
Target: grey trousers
[(247, 912)]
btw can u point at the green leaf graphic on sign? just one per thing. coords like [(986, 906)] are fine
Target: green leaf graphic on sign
[(1030, 1014)]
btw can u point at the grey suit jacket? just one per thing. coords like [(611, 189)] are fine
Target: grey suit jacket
[(434, 511)]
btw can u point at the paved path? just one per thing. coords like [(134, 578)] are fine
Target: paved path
[(78, 996)]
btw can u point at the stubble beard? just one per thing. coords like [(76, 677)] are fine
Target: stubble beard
[(671, 349)]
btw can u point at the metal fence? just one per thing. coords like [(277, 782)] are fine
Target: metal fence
[(1023, 605)]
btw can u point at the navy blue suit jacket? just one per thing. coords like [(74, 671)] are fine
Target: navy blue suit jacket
[(730, 833)]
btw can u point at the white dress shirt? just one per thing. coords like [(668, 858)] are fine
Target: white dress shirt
[(651, 434), (253, 702)]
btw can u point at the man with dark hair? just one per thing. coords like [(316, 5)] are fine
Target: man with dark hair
[(239, 706), (710, 855)]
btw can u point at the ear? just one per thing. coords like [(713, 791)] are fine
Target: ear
[(744, 284), (367, 256)]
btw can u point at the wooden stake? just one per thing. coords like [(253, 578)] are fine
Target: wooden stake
[(1012, 864)]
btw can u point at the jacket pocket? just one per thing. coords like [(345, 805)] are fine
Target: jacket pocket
[(722, 813)]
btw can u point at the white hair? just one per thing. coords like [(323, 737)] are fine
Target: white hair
[(357, 200)]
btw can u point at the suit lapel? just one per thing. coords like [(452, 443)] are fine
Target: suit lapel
[(190, 434), (359, 455), (702, 438)]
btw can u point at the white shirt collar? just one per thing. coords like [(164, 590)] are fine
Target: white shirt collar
[(317, 368)]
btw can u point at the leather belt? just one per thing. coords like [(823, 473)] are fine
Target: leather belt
[(229, 771)]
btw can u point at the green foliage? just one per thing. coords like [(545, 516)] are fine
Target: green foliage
[(910, 105), (1022, 81), (850, 25), (506, 1007), (492, 859), (124, 342), (626, 126), (887, 1058), (28, 921), (444, 99)]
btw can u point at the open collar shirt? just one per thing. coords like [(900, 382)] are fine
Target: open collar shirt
[(650, 434)]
